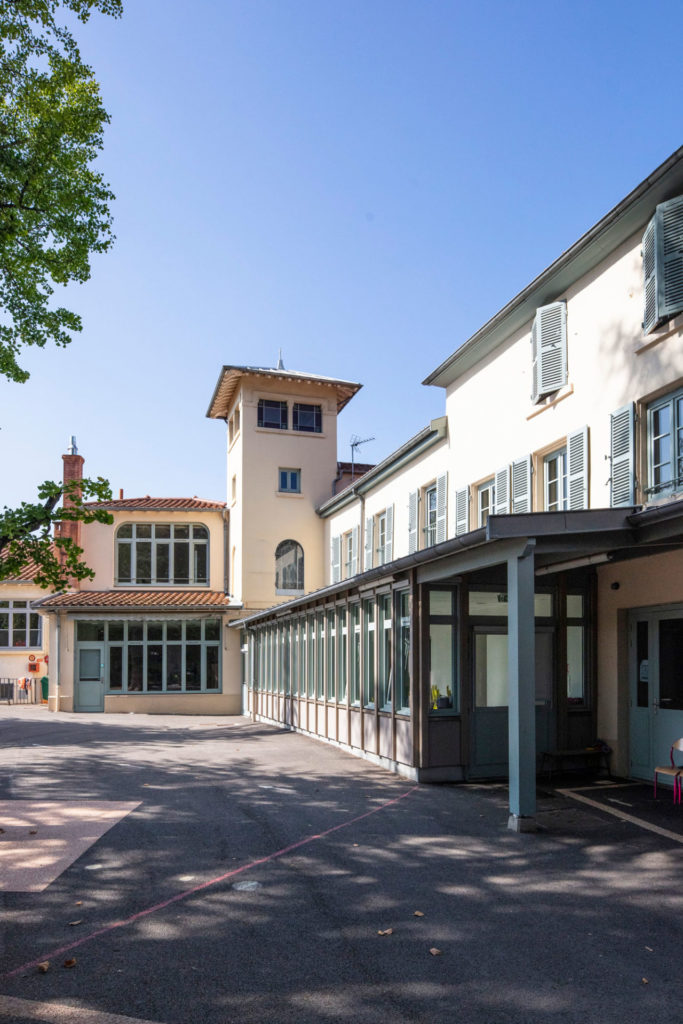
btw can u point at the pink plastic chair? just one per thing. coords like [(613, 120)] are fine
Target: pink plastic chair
[(672, 769)]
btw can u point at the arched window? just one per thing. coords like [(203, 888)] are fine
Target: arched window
[(155, 554), (289, 567)]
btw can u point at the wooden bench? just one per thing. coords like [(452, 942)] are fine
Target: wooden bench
[(594, 758)]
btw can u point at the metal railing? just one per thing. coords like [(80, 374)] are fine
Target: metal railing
[(23, 690)]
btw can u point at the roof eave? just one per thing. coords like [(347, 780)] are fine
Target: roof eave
[(615, 227)]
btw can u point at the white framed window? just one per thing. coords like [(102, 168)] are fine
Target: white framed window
[(429, 525), (347, 554), (486, 501), (154, 554), (555, 497), (289, 481), (19, 626), (381, 535), (665, 445)]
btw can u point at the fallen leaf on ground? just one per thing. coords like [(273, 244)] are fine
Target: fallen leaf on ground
[(78, 903), (2, 830), (645, 981), (387, 931), (435, 952), (44, 967), (418, 913), (71, 962), (32, 831), (72, 923)]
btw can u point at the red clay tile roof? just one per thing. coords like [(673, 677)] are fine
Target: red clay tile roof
[(137, 599), (25, 575), (154, 504)]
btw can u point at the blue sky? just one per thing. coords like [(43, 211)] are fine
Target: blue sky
[(361, 183)]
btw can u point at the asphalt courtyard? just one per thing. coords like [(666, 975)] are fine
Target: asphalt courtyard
[(179, 870)]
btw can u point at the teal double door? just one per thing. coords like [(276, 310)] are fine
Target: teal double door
[(656, 687)]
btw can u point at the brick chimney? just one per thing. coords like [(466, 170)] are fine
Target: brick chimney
[(73, 470)]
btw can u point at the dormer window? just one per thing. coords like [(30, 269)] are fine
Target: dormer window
[(162, 554)]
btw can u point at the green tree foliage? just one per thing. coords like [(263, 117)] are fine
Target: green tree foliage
[(54, 213), (27, 533), (54, 207)]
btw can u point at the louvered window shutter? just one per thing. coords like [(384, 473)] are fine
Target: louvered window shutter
[(622, 455), (369, 532), (549, 349), (502, 482), (663, 264), (441, 507), (389, 535), (649, 278), (577, 469), (521, 485), (413, 499), (670, 287), (462, 511), (336, 558), (354, 550)]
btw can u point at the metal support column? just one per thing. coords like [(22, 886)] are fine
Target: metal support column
[(522, 691)]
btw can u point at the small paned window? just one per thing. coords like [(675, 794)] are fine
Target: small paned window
[(555, 481), (486, 501), (19, 627), (272, 414), (290, 481), (429, 527), (382, 537), (347, 554), (308, 418), (665, 446), (152, 554), (289, 567)]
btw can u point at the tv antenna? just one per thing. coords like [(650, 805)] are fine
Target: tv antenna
[(356, 442)]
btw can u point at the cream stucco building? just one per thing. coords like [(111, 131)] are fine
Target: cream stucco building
[(501, 592)]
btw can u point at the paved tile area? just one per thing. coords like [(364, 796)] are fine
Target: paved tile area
[(40, 838)]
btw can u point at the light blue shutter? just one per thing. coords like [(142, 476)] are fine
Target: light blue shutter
[(549, 349), (335, 558), (462, 511), (577, 469), (413, 501), (502, 482), (663, 264), (521, 484), (441, 508), (622, 456), (670, 281), (389, 535), (369, 531), (649, 277), (354, 550)]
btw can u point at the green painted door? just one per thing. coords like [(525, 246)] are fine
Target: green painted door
[(90, 678)]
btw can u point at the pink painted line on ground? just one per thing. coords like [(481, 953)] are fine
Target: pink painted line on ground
[(203, 885)]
